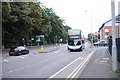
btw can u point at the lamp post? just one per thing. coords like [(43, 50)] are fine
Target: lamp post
[(114, 54), (91, 30), (91, 27)]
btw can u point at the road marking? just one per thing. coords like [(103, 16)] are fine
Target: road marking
[(16, 70), (103, 61), (106, 59), (80, 66), (64, 67), (5, 60), (56, 52), (12, 58), (99, 57)]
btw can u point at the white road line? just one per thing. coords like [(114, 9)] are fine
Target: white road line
[(16, 70), (64, 67), (56, 52), (5, 60), (99, 57), (12, 58), (83, 62), (80, 66), (103, 61), (106, 59)]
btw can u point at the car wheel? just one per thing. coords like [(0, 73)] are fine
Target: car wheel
[(18, 53), (10, 54), (28, 52)]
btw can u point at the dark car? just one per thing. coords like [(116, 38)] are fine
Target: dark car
[(100, 43), (20, 50)]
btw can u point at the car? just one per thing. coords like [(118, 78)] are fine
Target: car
[(20, 50), (100, 43)]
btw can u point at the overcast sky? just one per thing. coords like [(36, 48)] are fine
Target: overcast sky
[(82, 14)]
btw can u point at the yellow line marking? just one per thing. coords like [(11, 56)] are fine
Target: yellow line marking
[(79, 67), (65, 67)]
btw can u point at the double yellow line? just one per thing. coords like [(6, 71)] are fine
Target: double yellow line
[(80, 66)]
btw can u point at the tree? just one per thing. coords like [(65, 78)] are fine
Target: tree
[(36, 15), (28, 19), (16, 23), (90, 36)]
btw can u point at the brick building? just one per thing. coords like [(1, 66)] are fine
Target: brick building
[(105, 30)]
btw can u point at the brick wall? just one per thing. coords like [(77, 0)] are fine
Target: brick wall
[(109, 30)]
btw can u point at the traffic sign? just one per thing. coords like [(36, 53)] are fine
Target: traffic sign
[(117, 19)]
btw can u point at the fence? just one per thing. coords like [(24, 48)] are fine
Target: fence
[(117, 45)]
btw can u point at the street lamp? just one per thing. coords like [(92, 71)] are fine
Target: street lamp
[(114, 54), (91, 27)]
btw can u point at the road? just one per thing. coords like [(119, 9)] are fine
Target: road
[(44, 65)]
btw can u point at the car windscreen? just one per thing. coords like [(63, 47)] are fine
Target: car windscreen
[(19, 48)]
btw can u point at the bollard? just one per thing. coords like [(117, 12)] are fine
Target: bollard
[(41, 49)]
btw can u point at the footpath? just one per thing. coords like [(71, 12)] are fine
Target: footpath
[(99, 67), (49, 48), (46, 48)]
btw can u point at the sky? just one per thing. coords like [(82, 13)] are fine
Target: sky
[(87, 15)]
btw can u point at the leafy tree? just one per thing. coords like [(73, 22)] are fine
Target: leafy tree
[(16, 23), (28, 19), (95, 38), (7, 21), (36, 15), (58, 29), (90, 36)]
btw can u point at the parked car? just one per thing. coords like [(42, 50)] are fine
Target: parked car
[(100, 43), (20, 50)]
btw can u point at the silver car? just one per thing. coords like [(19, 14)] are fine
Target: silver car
[(100, 43)]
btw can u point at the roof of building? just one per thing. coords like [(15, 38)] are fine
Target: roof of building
[(117, 18)]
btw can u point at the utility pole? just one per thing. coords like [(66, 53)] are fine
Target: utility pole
[(91, 30), (91, 26), (114, 53)]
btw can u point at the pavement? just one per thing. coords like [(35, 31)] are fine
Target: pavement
[(119, 70), (100, 66), (45, 48), (49, 48)]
